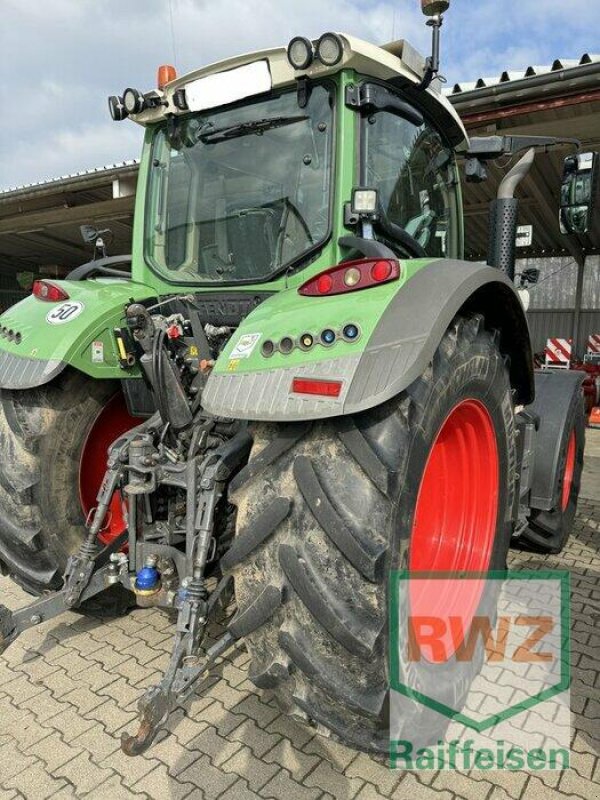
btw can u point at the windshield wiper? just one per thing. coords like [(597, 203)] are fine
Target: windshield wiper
[(244, 128)]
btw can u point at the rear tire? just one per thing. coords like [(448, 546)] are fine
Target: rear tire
[(325, 511), (42, 434)]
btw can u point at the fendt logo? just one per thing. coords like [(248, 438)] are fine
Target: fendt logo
[(476, 654)]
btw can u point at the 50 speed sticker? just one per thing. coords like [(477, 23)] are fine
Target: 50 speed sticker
[(65, 312)]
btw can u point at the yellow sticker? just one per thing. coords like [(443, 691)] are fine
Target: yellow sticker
[(233, 364), (193, 351)]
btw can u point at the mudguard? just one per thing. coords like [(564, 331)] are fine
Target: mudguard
[(556, 394), (401, 328), (38, 339)]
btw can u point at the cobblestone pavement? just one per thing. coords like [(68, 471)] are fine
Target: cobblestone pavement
[(69, 688)]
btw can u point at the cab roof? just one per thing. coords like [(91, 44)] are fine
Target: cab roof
[(397, 63)]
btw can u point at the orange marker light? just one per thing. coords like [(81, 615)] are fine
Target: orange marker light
[(166, 74)]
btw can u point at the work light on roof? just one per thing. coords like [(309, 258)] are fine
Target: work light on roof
[(134, 101), (330, 49), (300, 52), (117, 109)]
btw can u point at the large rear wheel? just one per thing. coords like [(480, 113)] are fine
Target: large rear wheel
[(53, 450), (326, 511)]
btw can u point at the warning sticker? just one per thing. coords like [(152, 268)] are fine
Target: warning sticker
[(97, 352), (245, 345)]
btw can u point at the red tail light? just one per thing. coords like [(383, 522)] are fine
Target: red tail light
[(46, 290), (351, 276), (311, 386)]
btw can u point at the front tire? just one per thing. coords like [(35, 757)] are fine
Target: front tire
[(326, 511)]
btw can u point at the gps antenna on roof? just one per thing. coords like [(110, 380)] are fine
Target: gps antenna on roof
[(434, 9)]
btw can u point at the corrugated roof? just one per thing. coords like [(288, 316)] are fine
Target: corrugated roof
[(73, 176), (512, 76)]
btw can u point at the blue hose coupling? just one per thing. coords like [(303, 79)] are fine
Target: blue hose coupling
[(147, 580)]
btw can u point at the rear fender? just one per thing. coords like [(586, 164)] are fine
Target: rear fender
[(402, 343), (557, 393), (36, 344)]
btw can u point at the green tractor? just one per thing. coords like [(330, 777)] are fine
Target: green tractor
[(300, 385)]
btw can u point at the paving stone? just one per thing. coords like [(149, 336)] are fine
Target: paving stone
[(13, 761), (83, 699), (411, 787), (69, 724), (292, 729), (282, 787), (159, 785), (297, 763), (332, 781), (217, 715), (365, 767), (83, 773), (259, 741), (53, 751), (239, 791), (212, 780), (255, 771), (214, 746), (463, 785), (27, 732), (337, 754), (21, 689), (113, 789), (97, 743), (110, 715), (369, 792), (35, 783), (175, 756), (257, 710)]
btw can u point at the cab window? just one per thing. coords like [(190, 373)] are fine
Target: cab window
[(415, 175)]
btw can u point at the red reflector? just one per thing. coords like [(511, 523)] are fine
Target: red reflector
[(310, 386), (350, 276), (381, 271), (46, 290)]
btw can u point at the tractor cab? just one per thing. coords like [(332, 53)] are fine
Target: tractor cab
[(249, 165)]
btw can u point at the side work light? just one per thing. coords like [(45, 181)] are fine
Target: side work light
[(330, 49), (364, 202), (300, 52)]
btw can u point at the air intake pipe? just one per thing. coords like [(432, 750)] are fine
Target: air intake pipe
[(504, 217)]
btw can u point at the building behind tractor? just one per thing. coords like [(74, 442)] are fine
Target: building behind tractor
[(301, 385)]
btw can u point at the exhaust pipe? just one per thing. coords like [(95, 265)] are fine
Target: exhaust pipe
[(504, 217)]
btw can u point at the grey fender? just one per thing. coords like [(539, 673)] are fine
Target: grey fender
[(557, 394), (413, 324), (397, 353)]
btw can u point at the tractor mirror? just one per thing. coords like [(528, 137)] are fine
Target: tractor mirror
[(580, 194), (433, 8), (89, 234)]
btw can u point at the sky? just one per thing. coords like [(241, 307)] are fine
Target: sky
[(60, 59)]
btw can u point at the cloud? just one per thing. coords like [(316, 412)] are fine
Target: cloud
[(60, 59)]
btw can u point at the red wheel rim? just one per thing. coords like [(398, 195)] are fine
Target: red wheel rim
[(569, 471), (112, 421), (455, 519)]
